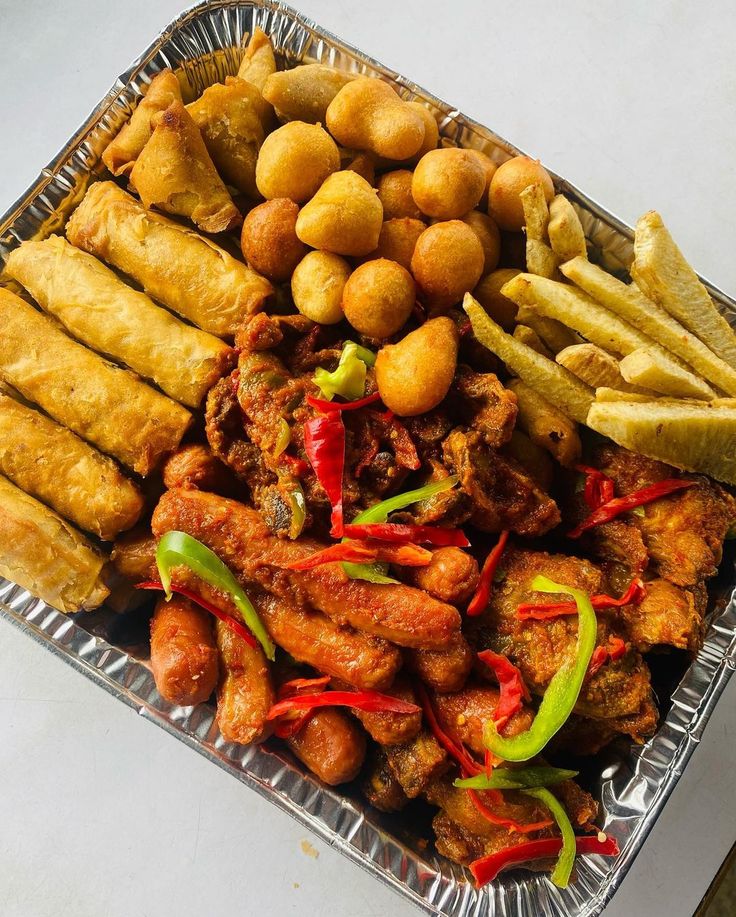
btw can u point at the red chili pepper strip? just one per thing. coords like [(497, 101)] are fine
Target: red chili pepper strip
[(354, 552), (370, 701), (483, 592), (324, 443), (618, 505), (400, 534), (240, 629), (284, 729), (513, 689), (543, 611), (598, 486), (326, 406), (616, 649), (405, 555), (455, 750), (486, 868), (510, 823)]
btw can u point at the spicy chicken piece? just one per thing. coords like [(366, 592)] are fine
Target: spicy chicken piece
[(485, 405), (238, 535), (417, 763), (443, 670), (389, 728), (379, 785), (502, 494), (331, 745), (667, 616), (183, 652), (194, 465), (683, 532), (245, 692), (449, 508), (463, 714), (451, 576), (540, 648), (620, 547)]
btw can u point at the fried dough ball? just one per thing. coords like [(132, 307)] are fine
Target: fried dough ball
[(414, 375), (509, 180), (489, 170), (367, 114), (269, 241), (447, 183), (488, 236), (362, 163), (398, 240), (431, 130), (344, 216), (295, 160), (447, 262), (488, 293), (317, 286), (378, 298), (394, 192)]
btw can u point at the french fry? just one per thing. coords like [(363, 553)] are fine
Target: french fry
[(662, 273), (546, 425), (628, 302), (616, 394), (591, 364), (536, 212), (643, 367), (560, 386), (692, 436), (554, 334), (529, 336), (565, 230), (598, 324), (541, 260)]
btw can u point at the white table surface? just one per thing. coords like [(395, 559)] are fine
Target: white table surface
[(101, 813)]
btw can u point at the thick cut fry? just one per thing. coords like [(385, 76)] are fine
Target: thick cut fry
[(627, 301), (545, 425), (100, 310), (565, 231), (102, 403), (554, 334), (536, 212), (604, 393), (304, 93), (175, 173), (331, 745), (183, 652), (591, 364), (123, 150), (53, 464), (663, 274), (564, 389), (643, 367), (529, 337), (245, 692), (45, 555), (601, 326), (179, 268), (694, 437), (541, 260)]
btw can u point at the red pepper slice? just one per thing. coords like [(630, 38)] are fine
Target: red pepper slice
[(400, 534), (405, 555), (513, 689), (544, 611), (240, 629), (286, 728), (326, 406), (486, 868), (370, 701), (455, 750), (483, 592), (612, 508), (504, 822), (362, 552), (616, 649), (598, 486), (324, 443)]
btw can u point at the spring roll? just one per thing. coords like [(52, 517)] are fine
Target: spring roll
[(45, 555), (104, 404), (118, 321), (54, 465), (123, 150), (179, 268)]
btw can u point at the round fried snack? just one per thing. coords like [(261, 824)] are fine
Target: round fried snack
[(394, 193), (367, 114), (489, 170), (431, 130), (414, 375), (269, 241), (447, 262), (344, 216), (488, 293), (398, 240), (317, 285), (488, 236), (447, 183), (510, 179), (294, 161), (378, 298)]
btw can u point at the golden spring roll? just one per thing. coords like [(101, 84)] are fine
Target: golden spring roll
[(99, 309), (54, 465), (123, 150), (45, 555), (177, 267), (101, 402)]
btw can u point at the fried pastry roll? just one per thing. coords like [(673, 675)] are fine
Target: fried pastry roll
[(179, 268), (45, 555), (123, 150), (245, 692), (183, 652), (53, 464), (102, 403), (174, 173), (100, 310), (257, 65)]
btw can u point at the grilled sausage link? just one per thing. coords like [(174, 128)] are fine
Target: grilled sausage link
[(183, 652)]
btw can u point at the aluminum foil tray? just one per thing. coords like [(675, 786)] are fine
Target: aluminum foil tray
[(204, 45)]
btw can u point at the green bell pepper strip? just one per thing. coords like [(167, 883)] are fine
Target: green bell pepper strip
[(348, 379), (376, 573), (504, 778), (367, 356), (177, 548), (562, 691), (561, 873)]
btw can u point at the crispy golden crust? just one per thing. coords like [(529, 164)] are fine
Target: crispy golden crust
[(245, 692), (379, 785), (451, 576), (183, 652), (667, 616), (331, 745)]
